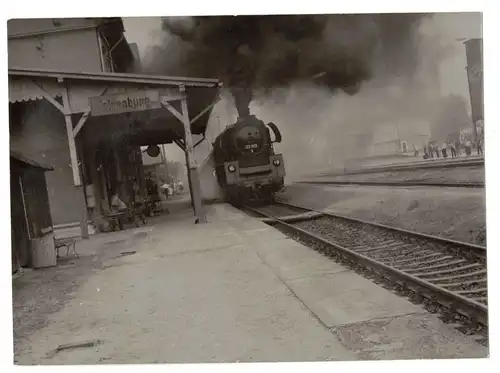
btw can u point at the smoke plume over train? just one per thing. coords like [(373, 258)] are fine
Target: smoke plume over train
[(326, 84), (256, 54)]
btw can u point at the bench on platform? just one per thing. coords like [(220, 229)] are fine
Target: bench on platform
[(116, 219), (135, 215), (69, 243), (153, 208)]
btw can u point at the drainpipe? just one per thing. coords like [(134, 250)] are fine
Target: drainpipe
[(110, 48), (101, 52)]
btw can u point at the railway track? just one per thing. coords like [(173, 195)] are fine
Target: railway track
[(399, 183), (442, 272), (406, 167)]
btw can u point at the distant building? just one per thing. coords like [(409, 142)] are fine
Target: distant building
[(386, 140), (400, 138)]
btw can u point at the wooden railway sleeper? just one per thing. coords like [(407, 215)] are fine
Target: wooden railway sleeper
[(454, 284), (459, 261), (391, 247), (451, 270), (471, 291), (409, 266), (425, 256), (480, 299), (382, 245), (436, 280), (364, 246)]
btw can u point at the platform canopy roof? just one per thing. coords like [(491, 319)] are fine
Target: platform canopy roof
[(71, 93), (28, 162)]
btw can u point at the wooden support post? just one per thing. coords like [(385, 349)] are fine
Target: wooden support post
[(72, 151), (140, 174), (96, 186), (84, 177), (74, 159), (190, 183), (194, 177), (117, 154)]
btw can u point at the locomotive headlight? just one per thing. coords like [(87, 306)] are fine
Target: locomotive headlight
[(231, 168), (276, 162)]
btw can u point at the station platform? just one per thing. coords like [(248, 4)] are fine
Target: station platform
[(231, 290)]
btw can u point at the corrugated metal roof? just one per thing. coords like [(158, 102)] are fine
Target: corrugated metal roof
[(118, 77)]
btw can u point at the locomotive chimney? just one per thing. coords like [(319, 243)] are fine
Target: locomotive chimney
[(242, 99)]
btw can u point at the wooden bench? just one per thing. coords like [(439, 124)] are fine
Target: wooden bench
[(116, 219), (68, 243), (135, 216), (138, 214)]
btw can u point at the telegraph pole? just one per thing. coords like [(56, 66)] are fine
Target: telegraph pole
[(474, 69)]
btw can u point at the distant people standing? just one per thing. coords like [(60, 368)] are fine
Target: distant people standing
[(458, 147), (480, 146), (154, 196), (468, 148), (443, 150), (436, 149), (151, 186), (453, 150), (431, 151)]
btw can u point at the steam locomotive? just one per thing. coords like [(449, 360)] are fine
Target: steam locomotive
[(246, 166)]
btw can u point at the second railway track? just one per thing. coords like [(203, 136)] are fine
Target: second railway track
[(448, 273), (399, 183)]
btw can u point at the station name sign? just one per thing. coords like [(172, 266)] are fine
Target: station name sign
[(125, 102)]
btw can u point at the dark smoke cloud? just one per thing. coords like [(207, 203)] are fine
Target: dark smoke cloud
[(261, 53)]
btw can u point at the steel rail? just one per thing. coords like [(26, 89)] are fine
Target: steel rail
[(407, 167)]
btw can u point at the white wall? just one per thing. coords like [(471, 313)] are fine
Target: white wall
[(210, 188), (71, 51), (19, 27)]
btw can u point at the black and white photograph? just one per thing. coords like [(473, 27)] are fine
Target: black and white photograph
[(247, 188)]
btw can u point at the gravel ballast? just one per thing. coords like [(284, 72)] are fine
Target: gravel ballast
[(452, 213)]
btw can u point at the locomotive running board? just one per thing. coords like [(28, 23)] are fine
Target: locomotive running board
[(294, 218)]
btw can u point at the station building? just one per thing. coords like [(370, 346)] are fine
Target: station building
[(68, 79)]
